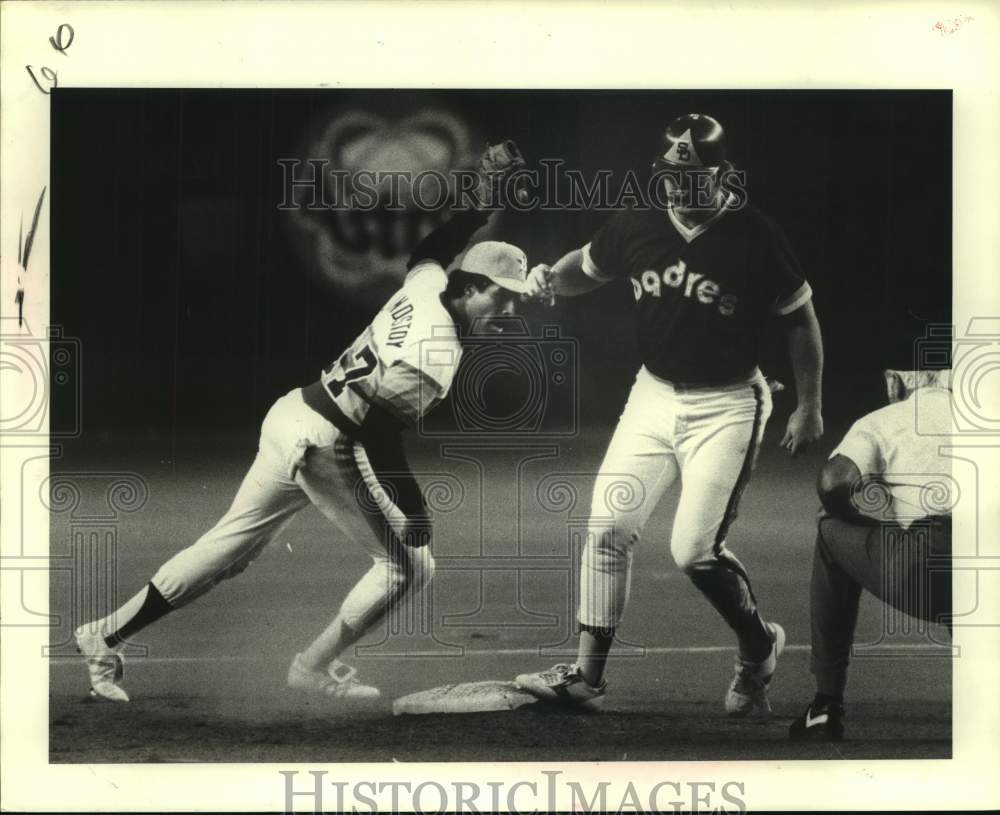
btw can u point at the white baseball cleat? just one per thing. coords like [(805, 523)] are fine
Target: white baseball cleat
[(747, 693), (563, 684), (105, 666), (338, 680)]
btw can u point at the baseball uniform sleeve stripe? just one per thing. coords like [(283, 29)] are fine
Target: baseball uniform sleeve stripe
[(741, 480), (590, 268), (798, 299)]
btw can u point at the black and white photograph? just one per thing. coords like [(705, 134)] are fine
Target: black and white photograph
[(455, 425)]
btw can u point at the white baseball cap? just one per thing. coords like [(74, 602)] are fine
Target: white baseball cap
[(503, 263)]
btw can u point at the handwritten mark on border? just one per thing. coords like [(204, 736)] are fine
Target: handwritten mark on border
[(65, 30), (24, 252)]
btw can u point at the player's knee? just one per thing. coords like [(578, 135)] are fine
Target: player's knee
[(691, 555), (413, 570), (609, 547), (612, 537), (423, 569)]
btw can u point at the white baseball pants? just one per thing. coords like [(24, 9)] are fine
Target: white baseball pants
[(303, 458), (708, 437)]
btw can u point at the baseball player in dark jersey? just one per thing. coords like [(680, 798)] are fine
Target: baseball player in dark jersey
[(707, 274), (336, 444)]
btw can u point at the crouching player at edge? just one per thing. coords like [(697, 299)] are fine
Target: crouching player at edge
[(336, 444), (885, 528), (707, 275)]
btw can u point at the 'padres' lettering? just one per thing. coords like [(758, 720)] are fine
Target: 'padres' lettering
[(693, 278), (727, 305), (694, 285), (674, 275), (707, 291), (651, 283)]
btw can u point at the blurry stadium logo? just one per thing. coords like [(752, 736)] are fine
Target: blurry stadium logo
[(395, 172)]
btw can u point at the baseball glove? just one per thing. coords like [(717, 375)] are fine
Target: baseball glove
[(496, 164)]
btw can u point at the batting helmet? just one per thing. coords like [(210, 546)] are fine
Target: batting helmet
[(692, 140)]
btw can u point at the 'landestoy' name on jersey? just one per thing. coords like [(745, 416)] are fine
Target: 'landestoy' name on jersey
[(401, 312)]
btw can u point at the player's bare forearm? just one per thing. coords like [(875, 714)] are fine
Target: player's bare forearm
[(805, 347), (566, 279), (839, 478)]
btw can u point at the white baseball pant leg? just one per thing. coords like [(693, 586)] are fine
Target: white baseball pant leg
[(710, 438), (303, 458), (638, 468)]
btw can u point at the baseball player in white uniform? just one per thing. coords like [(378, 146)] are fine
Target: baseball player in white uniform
[(336, 444), (706, 275)]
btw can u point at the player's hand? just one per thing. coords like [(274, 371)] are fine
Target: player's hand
[(805, 426), (539, 285)]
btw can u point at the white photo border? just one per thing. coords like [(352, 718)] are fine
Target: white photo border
[(801, 45)]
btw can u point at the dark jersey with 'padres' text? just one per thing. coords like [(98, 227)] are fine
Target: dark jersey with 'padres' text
[(703, 295)]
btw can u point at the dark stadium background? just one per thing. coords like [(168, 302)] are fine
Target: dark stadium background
[(195, 305)]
